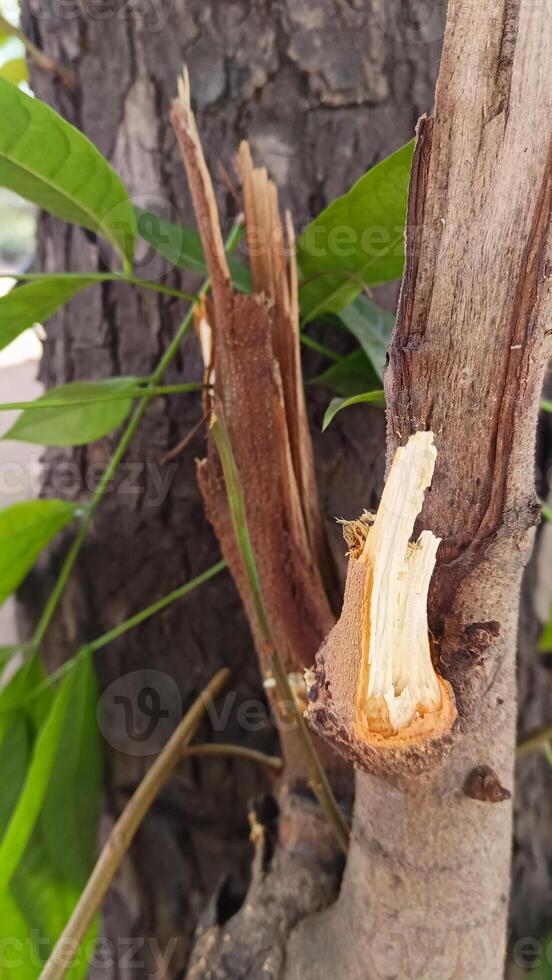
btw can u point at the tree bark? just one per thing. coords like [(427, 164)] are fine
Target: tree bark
[(427, 880), (322, 90)]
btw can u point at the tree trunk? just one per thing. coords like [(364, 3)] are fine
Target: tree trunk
[(321, 90), (426, 887)]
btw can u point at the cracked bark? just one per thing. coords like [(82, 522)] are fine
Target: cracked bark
[(428, 859), (321, 91)]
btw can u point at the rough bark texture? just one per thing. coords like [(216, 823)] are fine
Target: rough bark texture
[(467, 361), (322, 90)]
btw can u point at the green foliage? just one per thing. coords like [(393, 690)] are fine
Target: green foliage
[(35, 302), (358, 240), (49, 744), (545, 640), (6, 653), (15, 71), (31, 798), (54, 738), (75, 413), (182, 247), (352, 374), (372, 326), (49, 162), (25, 529), (70, 832), (376, 398), (543, 971)]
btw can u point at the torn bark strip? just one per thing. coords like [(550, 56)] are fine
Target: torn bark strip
[(255, 360), (250, 345)]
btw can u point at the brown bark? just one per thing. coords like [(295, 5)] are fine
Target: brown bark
[(429, 863), (322, 90)]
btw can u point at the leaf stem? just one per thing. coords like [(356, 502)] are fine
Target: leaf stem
[(240, 751), (533, 740), (122, 447), (318, 347), (155, 607), (124, 277), (117, 631), (41, 59), (125, 394), (317, 777), (123, 833)]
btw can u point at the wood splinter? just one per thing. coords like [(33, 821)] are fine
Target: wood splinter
[(374, 685), (399, 694)]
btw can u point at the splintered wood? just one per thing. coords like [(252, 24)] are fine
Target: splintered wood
[(399, 693), (250, 346)]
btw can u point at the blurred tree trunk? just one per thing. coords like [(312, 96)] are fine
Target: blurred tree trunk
[(322, 90)]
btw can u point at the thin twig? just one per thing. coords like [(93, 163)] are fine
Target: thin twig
[(123, 833), (40, 58), (176, 450), (120, 452), (241, 751), (114, 634), (533, 740)]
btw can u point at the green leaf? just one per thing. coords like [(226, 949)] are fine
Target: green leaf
[(372, 326), (35, 302), (182, 247), (25, 529), (29, 804), (15, 71), (545, 640), (352, 374), (358, 240), (543, 965), (15, 748), (49, 162), (16, 962), (40, 899), (376, 398), (75, 414), (6, 653), (13, 695), (69, 818), (546, 511), (47, 901), (546, 405)]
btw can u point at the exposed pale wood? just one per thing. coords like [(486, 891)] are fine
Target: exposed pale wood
[(399, 694), (429, 865)]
